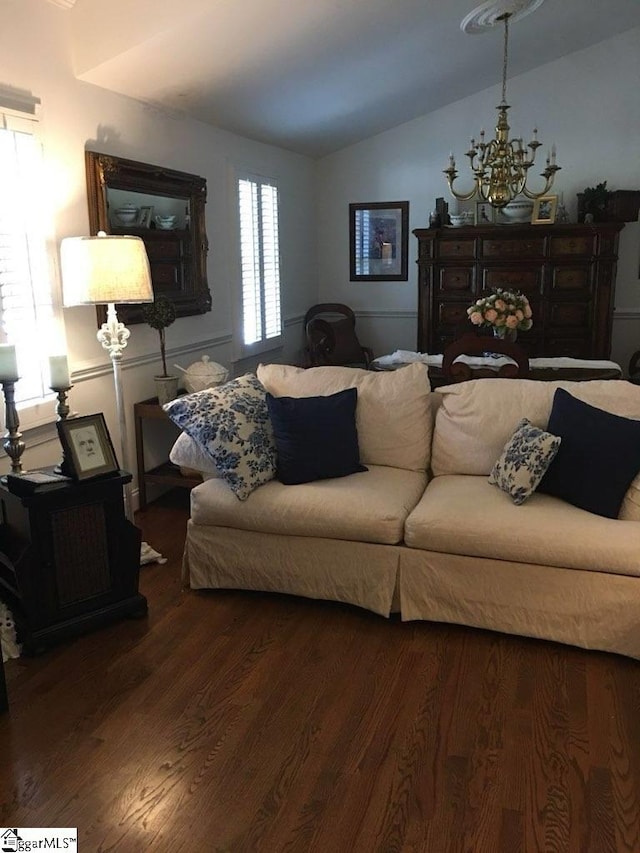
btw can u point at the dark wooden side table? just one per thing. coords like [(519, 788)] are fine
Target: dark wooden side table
[(166, 474), (69, 559)]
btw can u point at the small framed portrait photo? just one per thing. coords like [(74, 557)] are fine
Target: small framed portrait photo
[(484, 213), (88, 451), (144, 220), (544, 210)]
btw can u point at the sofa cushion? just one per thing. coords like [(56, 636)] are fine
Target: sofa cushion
[(368, 507), (630, 509), (232, 426), (476, 418), (465, 515), (524, 461), (393, 413), (316, 437), (598, 459)]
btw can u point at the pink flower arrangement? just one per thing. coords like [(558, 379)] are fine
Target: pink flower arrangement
[(502, 308)]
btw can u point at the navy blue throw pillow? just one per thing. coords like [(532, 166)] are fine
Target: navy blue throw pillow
[(316, 437), (598, 457)]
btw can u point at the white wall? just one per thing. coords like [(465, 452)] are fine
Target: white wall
[(36, 57), (588, 103)]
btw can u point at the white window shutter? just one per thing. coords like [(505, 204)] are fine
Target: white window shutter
[(260, 260), (26, 310)]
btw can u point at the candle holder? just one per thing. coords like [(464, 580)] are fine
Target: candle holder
[(13, 444), (62, 411)]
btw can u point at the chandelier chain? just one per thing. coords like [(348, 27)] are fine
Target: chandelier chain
[(505, 58)]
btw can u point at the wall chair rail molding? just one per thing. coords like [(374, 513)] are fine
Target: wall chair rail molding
[(166, 209)]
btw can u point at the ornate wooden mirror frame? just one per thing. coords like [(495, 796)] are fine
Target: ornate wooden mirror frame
[(177, 249)]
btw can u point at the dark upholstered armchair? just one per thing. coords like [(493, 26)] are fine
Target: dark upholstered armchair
[(459, 371), (331, 339)]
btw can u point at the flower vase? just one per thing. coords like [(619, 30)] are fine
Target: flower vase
[(505, 334)]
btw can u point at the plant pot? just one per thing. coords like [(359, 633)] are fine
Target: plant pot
[(166, 388)]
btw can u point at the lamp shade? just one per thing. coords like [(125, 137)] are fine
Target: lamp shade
[(103, 269)]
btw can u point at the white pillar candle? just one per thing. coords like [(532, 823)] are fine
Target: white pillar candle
[(8, 363), (59, 372)]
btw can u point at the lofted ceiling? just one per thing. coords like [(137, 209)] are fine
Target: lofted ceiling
[(313, 76)]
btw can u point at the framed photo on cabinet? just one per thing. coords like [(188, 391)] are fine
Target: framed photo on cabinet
[(88, 451), (484, 213), (544, 210), (379, 241)]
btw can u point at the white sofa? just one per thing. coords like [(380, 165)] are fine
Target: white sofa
[(422, 532)]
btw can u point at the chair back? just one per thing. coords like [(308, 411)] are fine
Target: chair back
[(331, 339), (477, 345)]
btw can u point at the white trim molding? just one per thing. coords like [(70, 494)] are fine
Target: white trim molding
[(105, 368), (386, 314), (626, 315)]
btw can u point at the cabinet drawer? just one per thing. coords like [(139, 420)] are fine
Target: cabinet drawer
[(571, 280), (573, 315), (556, 347), (457, 249), (528, 280), (532, 247), (452, 313), (457, 280), (583, 244)]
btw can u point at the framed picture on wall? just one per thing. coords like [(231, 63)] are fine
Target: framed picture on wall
[(379, 241)]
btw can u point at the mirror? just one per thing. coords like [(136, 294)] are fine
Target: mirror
[(166, 209)]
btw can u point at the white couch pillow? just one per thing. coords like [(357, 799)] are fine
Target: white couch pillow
[(393, 414), (187, 453)]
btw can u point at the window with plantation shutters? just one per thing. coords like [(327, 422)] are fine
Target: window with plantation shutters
[(26, 309), (259, 262)]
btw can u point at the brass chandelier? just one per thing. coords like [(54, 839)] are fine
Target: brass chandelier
[(500, 166)]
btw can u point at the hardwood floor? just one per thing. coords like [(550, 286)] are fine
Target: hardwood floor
[(233, 722)]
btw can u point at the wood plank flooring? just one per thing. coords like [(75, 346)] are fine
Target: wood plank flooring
[(233, 722)]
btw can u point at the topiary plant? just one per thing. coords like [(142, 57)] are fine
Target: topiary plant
[(595, 201), (159, 315)]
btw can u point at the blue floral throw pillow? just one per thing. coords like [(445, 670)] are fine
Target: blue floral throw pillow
[(524, 461), (231, 424)]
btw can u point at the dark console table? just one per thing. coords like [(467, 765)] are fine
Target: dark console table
[(69, 559)]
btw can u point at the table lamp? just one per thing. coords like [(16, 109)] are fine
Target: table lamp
[(104, 270)]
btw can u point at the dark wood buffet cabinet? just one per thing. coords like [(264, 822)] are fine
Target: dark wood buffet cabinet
[(567, 272)]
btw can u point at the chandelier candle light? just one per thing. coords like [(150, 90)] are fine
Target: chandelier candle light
[(500, 166)]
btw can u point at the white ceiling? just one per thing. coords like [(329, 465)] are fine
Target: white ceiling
[(314, 76)]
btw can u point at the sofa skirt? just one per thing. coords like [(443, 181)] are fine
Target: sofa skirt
[(592, 610), (357, 573), (588, 609)]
